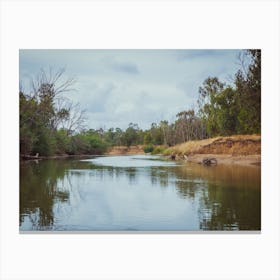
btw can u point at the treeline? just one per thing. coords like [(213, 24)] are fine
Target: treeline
[(51, 124), (233, 109)]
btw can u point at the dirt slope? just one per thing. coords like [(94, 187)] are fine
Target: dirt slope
[(231, 145), (123, 150), (237, 149)]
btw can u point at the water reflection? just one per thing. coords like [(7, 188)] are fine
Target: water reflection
[(84, 195), (39, 191)]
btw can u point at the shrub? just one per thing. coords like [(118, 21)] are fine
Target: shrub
[(158, 150), (148, 148)]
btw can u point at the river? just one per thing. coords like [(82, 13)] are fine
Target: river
[(138, 193)]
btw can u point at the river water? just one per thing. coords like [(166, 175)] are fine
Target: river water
[(137, 193)]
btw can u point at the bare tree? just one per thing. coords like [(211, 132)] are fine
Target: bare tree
[(48, 89), (71, 117), (51, 82), (244, 61)]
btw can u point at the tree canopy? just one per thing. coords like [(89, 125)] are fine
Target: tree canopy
[(51, 124)]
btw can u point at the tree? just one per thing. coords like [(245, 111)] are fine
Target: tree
[(208, 105), (28, 122), (44, 110), (131, 134), (156, 134), (119, 137), (248, 86), (147, 137), (227, 112), (70, 116), (234, 109), (163, 125)]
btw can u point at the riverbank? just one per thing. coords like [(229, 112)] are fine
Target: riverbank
[(116, 150), (237, 149), (225, 159), (124, 150), (24, 158)]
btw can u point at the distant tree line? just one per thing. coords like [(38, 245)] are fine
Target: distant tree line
[(51, 124)]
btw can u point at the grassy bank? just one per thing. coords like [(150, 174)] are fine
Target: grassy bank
[(239, 145), (236, 149)]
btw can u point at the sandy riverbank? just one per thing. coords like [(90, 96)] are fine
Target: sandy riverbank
[(124, 150), (224, 159), (236, 149)]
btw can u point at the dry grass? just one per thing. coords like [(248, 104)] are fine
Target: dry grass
[(231, 145), (124, 150)]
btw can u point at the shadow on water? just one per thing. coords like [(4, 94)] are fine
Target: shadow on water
[(38, 191), (221, 197), (232, 198), (41, 188), (229, 197)]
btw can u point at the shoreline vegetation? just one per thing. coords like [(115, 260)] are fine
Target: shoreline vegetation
[(236, 149), (52, 126)]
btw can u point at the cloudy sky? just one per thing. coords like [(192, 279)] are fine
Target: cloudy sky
[(117, 87)]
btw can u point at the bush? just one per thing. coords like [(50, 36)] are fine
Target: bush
[(158, 150), (45, 144), (148, 148), (63, 142)]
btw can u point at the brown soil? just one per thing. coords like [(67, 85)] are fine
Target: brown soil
[(226, 159), (237, 149), (233, 146), (124, 150)]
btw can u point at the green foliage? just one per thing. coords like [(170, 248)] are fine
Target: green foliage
[(248, 85), (154, 150), (41, 113), (223, 110), (63, 142), (35, 133), (236, 109), (87, 142), (133, 135), (148, 148), (156, 134), (147, 138), (95, 144), (45, 143), (158, 150), (208, 95), (227, 111)]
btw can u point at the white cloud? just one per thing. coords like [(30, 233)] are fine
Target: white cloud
[(117, 87)]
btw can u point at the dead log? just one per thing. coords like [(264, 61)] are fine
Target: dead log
[(29, 157)]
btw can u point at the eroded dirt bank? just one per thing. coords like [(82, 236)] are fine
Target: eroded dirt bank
[(238, 149), (226, 159), (124, 150)]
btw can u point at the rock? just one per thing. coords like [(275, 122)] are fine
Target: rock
[(173, 157), (209, 161)]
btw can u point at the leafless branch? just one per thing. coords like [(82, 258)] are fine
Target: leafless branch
[(75, 121), (54, 79), (243, 62)]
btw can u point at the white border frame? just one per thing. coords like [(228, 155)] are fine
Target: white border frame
[(156, 24)]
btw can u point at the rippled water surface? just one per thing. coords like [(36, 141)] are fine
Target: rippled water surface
[(146, 193)]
